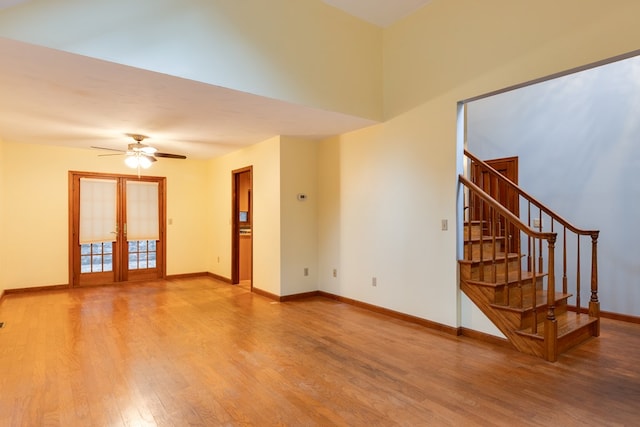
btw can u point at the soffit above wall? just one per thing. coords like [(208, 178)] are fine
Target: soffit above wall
[(59, 98), (379, 12)]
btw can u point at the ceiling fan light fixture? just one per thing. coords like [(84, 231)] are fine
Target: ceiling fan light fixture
[(132, 161), (138, 155), (145, 161), (139, 160)]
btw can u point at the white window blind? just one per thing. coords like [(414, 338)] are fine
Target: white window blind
[(142, 211), (97, 210)]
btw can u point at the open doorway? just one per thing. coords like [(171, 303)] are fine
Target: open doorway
[(242, 227), (576, 137)]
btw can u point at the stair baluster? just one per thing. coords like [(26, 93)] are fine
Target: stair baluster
[(578, 290)]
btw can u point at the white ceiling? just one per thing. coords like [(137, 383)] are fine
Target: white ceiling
[(54, 97)]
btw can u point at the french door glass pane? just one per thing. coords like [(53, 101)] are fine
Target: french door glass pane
[(142, 260), (96, 265), (133, 261), (142, 254), (96, 257)]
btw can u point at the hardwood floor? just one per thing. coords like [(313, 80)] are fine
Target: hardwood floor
[(201, 352)]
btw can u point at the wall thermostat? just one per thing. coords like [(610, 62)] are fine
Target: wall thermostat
[(302, 197)]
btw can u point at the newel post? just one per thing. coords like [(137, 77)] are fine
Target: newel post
[(594, 304), (551, 323)]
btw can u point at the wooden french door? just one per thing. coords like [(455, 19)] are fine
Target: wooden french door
[(118, 254)]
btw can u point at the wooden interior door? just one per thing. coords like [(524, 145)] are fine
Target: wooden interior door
[(506, 196), (122, 258), (242, 226)]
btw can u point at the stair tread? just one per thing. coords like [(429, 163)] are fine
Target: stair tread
[(500, 256), (485, 239), (527, 301), (500, 278), (568, 322)]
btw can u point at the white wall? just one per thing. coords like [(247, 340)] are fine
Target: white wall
[(305, 52), (35, 208), (576, 138), (266, 231)]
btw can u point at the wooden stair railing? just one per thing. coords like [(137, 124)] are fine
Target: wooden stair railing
[(498, 243)]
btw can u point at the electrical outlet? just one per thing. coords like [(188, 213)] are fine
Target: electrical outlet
[(374, 281), (335, 272), (218, 260), (306, 271), (445, 225), (537, 223)]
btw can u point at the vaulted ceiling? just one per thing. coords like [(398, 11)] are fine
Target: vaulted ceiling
[(54, 97)]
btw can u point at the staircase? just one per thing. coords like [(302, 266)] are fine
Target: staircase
[(509, 269)]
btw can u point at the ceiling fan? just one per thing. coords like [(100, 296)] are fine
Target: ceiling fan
[(139, 155)]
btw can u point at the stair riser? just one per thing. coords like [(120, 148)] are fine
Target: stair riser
[(527, 319), (517, 293), (578, 336), (473, 250), (476, 231), (472, 271)]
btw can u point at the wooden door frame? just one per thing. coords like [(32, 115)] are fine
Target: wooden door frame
[(235, 222), (74, 206)]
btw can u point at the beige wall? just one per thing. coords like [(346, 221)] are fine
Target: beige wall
[(2, 223), (265, 159), (381, 192), (384, 193), (306, 51), (298, 219), (35, 209), (385, 189), (284, 229), (465, 48)]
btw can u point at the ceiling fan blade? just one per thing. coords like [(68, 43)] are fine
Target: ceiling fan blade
[(108, 149), (114, 154), (170, 156)]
